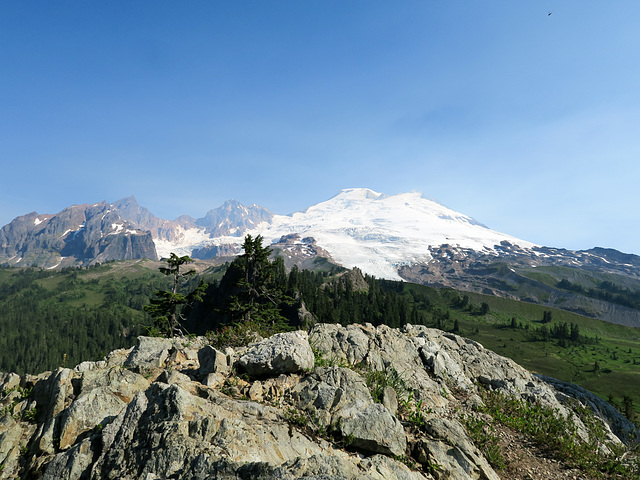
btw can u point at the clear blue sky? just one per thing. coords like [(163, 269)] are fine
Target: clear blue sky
[(528, 122)]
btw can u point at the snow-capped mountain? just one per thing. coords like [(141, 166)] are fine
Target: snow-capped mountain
[(395, 237), (358, 227), (363, 228)]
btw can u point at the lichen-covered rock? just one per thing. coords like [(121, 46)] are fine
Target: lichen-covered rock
[(53, 394), (9, 381), (328, 467), (102, 395), (390, 399), (184, 435), (464, 459), (282, 353), (340, 397), (374, 348), (212, 361), (10, 434)]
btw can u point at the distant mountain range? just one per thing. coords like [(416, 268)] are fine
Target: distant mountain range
[(396, 237)]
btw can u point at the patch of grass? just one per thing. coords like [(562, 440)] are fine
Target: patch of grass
[(484, 437), (378, 380), (321, 360), (414, 413), (558, 435)]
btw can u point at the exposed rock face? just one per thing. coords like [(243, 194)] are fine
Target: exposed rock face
[(304, 253), (173, 408), (506, 272), (78, 235), (354, 279)]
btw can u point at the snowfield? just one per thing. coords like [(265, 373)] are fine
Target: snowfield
[(367, 229)]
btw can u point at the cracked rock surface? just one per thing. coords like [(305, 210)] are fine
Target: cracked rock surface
[(181, 409)]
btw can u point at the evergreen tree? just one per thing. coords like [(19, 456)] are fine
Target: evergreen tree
[(167, 308), (575, 332), (628, 407), (258, 285)]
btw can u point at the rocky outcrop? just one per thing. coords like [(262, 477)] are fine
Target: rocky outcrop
[(510, 271), (276, 409), (304, 253), (212, 251), (339, 398)]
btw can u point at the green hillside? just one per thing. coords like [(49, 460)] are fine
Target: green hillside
[(606, 360)]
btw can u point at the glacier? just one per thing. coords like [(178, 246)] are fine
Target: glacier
[(362, 228)]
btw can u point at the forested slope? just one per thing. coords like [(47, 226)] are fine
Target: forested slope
[(51, 318)]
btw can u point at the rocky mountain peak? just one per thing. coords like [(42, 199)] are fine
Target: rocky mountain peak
[(233, 218), (78, 235)]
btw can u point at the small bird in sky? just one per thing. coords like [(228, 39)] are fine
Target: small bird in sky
[(549, 13)]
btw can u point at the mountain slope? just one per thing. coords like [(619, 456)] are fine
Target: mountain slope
[(78, 235), (399, 237), (363, 228)]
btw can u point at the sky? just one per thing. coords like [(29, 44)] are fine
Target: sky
[(522, 114)]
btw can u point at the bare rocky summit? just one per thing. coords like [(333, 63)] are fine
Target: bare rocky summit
[(293, 406)]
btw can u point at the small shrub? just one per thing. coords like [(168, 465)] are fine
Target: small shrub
[(296, 417), (415, 413), (238, 335), (30, 415), (347, 440), (559, 434), (24, 392), (483, 436)]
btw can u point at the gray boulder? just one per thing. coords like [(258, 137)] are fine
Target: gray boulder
[(149, 353), (452, 447), (332, 393), (212, 361), (375, 430), (282, 353)]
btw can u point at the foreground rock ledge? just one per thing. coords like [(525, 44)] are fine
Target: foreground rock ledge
[(174, 408)]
